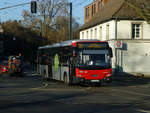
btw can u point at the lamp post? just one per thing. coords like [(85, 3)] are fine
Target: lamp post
[(41, 29), (70, 28), (1, 42), (1, 29)]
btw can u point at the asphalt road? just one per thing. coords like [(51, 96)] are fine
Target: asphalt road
[(30, 94)]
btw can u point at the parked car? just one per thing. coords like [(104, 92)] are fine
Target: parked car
[(4, 67)]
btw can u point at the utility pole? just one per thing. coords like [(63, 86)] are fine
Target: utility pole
[(1, 42), (116, 51), (41, 29), (70, 28)]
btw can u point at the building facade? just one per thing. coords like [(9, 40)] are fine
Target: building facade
[(91, 9), (117, 21)]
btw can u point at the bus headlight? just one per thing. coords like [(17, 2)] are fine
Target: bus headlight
[(81, 71), (80, 75), (108, 75)]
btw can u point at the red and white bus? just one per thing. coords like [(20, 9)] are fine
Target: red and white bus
[(76, 61)]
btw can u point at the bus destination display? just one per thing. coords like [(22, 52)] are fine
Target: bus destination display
[(92, 45)]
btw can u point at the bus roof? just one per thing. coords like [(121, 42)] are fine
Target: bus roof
[(69, 42)]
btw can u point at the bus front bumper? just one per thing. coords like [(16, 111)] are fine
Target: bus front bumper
[(83, 80)]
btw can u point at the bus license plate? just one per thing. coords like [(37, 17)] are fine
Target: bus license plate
[(94, 80)]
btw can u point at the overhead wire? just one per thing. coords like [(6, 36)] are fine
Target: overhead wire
[(80, 4), (5, 10), (73, 1), (14, 6), (77, 5)]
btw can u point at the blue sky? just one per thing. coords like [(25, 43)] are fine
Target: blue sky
[(16, 13)]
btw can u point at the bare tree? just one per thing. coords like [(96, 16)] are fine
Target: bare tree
[(54, 16), (30, 20), (49, 10), (142, 8), (62, 27)]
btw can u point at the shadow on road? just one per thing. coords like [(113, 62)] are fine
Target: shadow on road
[(126, 79), (61, 103), (118, 79)]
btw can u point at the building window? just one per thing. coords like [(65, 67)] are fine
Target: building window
[(99, 5), (82, 35), (136, 31), (87, 34), (100, 33), (86, 13), (91, 34), (107, 32), (102, 3), (95, 33), (93, 9)]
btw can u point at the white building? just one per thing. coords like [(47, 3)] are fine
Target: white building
[(117, 21)]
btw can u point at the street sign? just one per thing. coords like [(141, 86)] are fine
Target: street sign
[(118, 44)]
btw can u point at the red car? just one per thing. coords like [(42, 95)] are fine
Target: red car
[(4, 67)]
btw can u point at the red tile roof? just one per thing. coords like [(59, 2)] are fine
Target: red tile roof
[(116, 9)]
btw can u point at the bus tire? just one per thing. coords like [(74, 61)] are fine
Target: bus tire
[(66, 79)]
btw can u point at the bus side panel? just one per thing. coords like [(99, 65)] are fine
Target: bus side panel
[(56, 74)]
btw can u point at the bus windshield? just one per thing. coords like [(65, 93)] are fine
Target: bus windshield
[(94, 58)]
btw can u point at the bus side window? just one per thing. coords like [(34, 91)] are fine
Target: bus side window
[(110, 52)]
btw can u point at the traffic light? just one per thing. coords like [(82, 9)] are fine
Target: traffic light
[(33, 7)]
